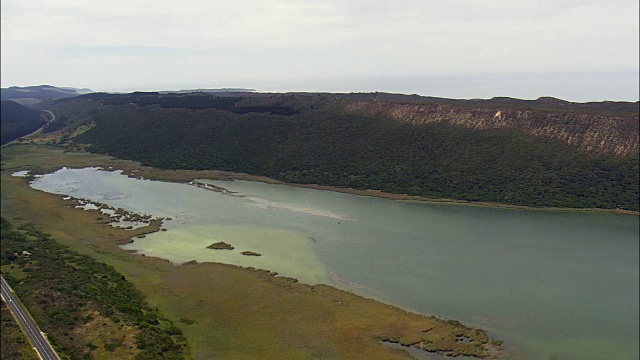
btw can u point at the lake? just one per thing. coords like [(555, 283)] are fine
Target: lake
[(551, 284)]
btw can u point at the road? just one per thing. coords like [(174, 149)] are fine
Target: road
[(53, 117), (28, 325)]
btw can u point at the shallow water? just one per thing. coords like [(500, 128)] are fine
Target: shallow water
[(553, 285)]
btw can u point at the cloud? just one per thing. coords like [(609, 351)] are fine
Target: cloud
[(144, 51), (249, 39)]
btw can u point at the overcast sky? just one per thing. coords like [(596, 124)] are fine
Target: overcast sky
[(577, 50)]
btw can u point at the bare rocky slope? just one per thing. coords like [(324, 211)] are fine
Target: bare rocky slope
[(615, 134)]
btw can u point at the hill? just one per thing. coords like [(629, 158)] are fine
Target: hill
[(541, 153), (32, 95), (540, 104), (18, 120)]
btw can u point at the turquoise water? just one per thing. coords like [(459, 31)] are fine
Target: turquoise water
[(553, 285)]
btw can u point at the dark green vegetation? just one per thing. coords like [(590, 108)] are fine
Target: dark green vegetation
[(319, 142), (189, 101), (18, 120), (72, 297), (57, 124)]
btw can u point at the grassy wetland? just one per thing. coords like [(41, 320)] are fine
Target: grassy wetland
[(225, 311)]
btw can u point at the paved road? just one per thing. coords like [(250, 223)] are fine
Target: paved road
[(28, 325)]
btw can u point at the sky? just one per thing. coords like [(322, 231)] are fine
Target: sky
[(572, 49)]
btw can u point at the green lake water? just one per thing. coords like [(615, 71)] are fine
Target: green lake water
[(552, 285)]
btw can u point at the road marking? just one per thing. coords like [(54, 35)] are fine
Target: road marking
[(28, 325)]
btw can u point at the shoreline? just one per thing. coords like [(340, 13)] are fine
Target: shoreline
[(419, 199), (134, 169), (229, 176)]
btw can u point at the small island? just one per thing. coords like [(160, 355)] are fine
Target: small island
[(221, 245), (250, 253)]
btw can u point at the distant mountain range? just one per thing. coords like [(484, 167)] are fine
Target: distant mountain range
[(32, 95), (220, 90)]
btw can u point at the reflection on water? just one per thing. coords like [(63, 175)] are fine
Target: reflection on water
[(266, 204), (551, 284)]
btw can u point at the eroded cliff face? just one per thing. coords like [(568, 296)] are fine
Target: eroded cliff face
[(607, 134)]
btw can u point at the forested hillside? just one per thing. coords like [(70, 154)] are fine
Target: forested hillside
[(322, 139), (18, 120)]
